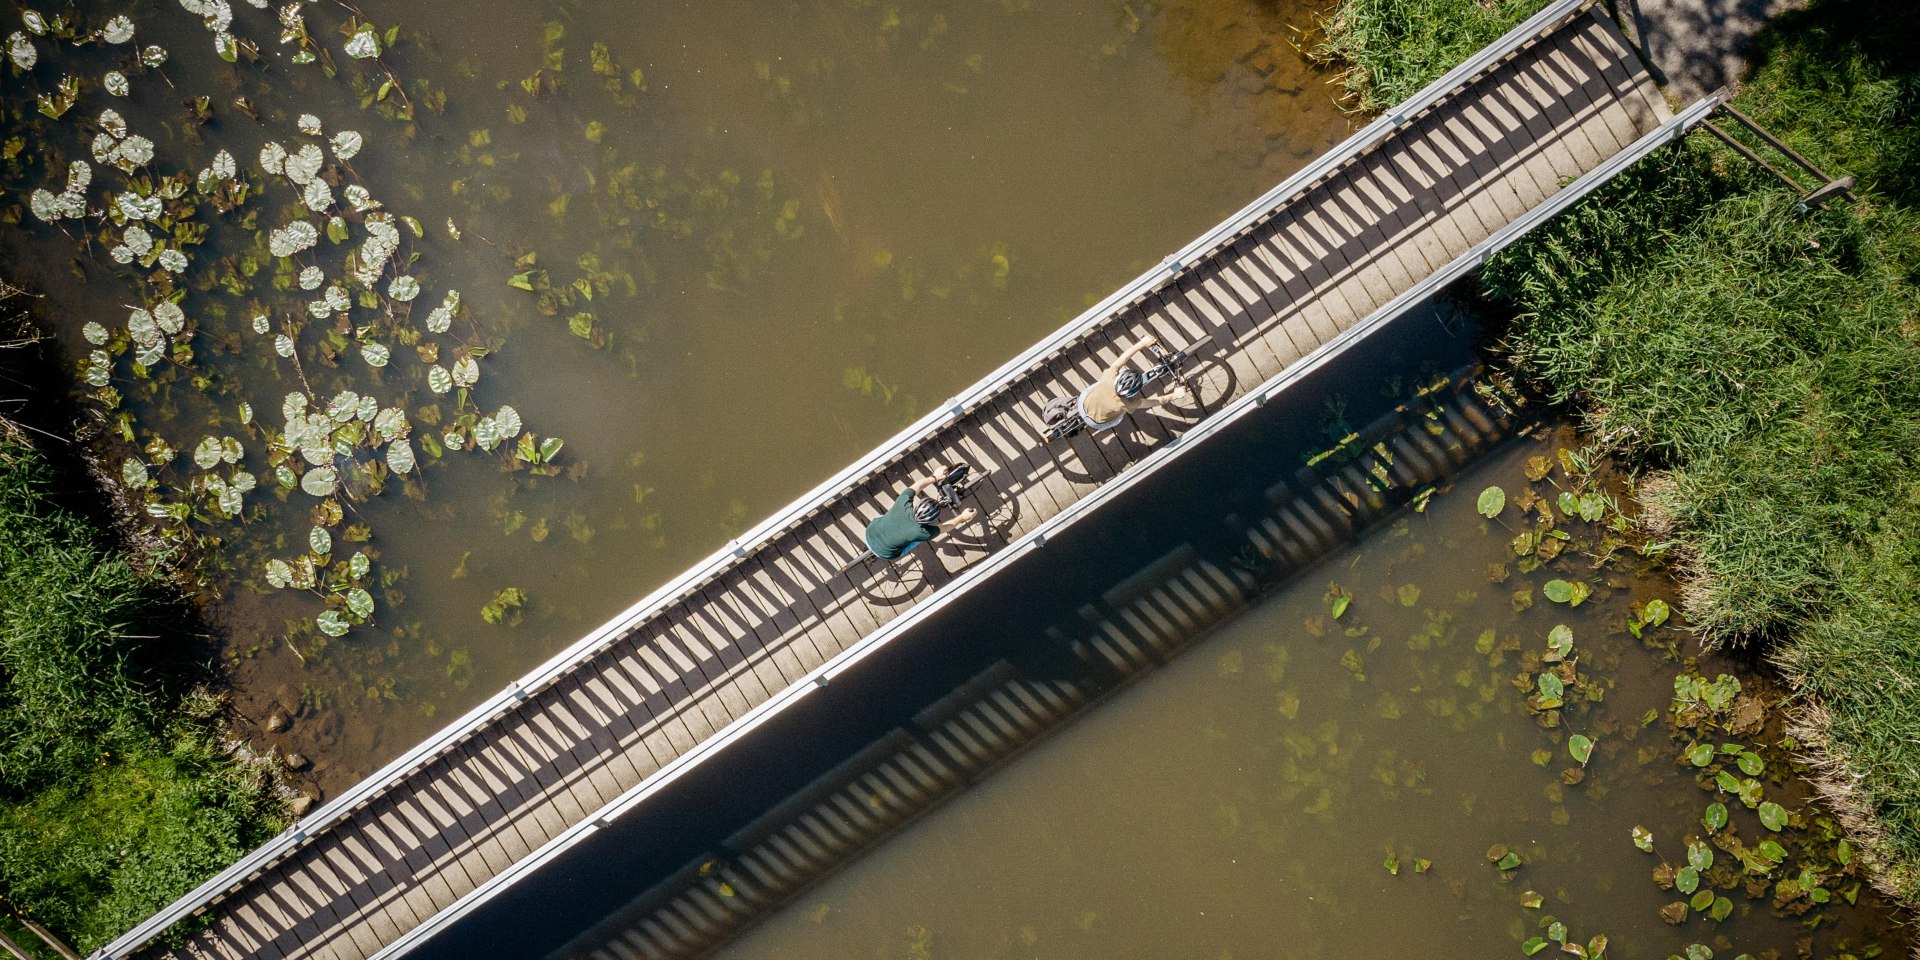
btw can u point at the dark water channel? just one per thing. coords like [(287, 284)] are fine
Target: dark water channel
[(718, 249), (1293, 783), (1299, 786)]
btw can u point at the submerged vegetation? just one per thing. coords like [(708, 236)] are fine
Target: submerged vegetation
[(115, 793), (346, 386), (1758, 358)]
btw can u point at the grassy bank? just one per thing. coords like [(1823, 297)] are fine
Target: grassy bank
[(114, 795), (1762, 362)]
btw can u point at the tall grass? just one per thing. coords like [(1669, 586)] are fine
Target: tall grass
[(114, 796), (1388, 49), (1763, 360), (1774, 376)]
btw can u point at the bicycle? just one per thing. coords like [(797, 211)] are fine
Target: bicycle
[(1060, 417), (955, 485)]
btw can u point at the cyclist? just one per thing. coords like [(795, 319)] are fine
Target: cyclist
[(1120, 390), (912, 520)]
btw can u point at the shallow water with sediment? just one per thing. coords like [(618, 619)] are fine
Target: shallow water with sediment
[(717, 250)]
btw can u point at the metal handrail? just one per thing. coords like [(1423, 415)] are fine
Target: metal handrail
[(1037, 538), (898, 446)]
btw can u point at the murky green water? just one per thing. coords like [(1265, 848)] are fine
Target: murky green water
[(1303, 786), (751, 240)]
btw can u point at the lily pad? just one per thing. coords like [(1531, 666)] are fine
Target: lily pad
[(319, 481), (1550, 685), (389, 423), (486, 434), (508, 420), (1643, 838), (1655, 613), (1560, 641), (1699, 856), (1700, 754), (364, 44), (1715, 817), (331, 623), (320, 540), (1580, 747), (400, 456), (359, 603), (1773, 816), (1492, 501)]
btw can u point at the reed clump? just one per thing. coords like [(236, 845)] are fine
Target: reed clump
[(1763, 359), (1386, 50), (115, 794)]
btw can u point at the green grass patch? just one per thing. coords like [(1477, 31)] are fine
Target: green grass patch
[(114, 796), (1388, 49), (1763, 360)]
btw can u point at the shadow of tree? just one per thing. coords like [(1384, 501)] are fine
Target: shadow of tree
[(1839, 81)]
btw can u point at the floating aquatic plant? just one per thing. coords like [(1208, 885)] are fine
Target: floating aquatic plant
[(333, 451)]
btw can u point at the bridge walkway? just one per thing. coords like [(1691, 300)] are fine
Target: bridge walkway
[(725, 645)]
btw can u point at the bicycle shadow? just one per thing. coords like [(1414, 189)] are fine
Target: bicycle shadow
[(1100, 456)]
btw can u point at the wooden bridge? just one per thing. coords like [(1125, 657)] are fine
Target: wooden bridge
[(1413, 201)]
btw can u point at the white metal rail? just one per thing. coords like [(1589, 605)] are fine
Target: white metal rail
[(886, 454)]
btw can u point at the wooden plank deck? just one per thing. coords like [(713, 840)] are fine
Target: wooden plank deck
[(1260, 301)]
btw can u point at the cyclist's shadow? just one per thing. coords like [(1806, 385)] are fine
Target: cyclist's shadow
[(1087, 458)]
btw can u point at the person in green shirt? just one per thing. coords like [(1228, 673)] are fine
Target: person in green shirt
[(912, 520)]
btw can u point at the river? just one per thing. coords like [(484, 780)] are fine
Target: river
[(754, 239)]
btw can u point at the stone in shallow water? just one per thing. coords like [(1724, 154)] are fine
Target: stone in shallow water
[(278, 721)]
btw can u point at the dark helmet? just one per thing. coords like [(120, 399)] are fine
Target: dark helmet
[(925, 511), (1127, 384)]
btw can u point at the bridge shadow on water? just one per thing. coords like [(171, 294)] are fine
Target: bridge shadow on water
[(1006, 619)]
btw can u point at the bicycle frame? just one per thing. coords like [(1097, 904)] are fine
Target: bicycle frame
[(1166, 364)]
